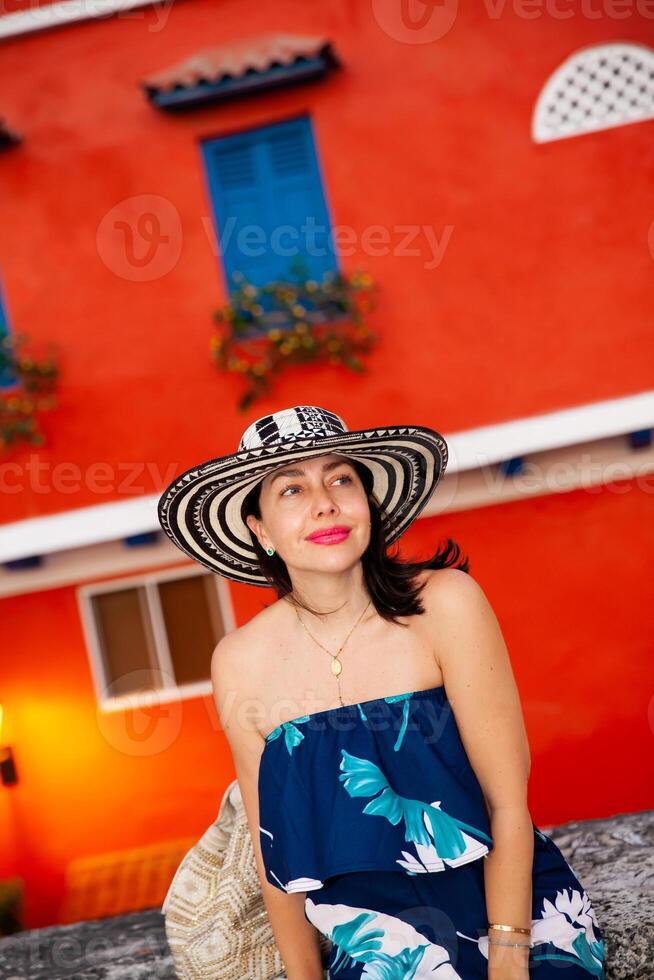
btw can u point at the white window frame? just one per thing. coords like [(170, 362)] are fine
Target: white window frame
[(148, 581)]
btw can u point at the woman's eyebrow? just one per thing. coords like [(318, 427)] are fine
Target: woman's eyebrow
[(299, 472)]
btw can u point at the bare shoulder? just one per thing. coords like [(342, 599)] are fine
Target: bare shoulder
[(237, 666), (234, 654), (230, 686), (481, 687), (451, 592), (458, 610), (227, 657)]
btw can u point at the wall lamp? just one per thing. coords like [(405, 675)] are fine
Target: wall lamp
[(8, 772)]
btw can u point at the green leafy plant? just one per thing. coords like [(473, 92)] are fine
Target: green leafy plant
[(263, 330), (32, 392)]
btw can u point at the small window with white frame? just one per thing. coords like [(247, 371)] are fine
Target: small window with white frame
[(152, 635)]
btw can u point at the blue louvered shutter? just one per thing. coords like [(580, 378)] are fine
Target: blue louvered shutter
[(269, 203), (7, 377)]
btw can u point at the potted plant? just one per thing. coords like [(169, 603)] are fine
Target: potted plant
[(263, 330)]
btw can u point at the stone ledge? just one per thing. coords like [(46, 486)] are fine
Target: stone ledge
[(613, 857)]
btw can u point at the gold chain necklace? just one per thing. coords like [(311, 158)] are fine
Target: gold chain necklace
[(336, 664)]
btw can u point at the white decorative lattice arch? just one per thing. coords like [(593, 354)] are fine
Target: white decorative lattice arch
[(598, 87)]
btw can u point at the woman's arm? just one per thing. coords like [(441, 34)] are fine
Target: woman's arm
[(486, 705), (296, 937)]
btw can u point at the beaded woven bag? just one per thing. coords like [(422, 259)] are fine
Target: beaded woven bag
[(216, 922)]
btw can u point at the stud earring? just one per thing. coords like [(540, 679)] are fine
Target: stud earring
[(270, 551)]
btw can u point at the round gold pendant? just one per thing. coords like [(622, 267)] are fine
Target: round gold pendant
[(337, 666)]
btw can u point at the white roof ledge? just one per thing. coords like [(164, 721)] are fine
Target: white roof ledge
[(537, 433), (63, 13)]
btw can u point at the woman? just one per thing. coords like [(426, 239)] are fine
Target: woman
[(373, 717)]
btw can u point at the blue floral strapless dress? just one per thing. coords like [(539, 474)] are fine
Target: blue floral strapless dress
[(373, 809)]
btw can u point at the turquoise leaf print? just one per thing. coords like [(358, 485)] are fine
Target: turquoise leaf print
[(399, 697), (354, 941), (357, 944), (362, 778), (405, 713), (590, 954), (404, 966), (388, 947), (292, 735)]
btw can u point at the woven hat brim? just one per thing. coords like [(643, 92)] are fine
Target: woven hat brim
[(201, 510)]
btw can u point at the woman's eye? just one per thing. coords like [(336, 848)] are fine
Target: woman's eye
[(295, 486)]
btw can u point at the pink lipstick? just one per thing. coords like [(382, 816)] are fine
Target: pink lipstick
[(330, 535)]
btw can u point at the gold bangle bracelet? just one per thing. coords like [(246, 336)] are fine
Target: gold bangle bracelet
[(495, 925)]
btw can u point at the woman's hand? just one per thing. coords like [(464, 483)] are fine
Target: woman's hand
[(513, 973)]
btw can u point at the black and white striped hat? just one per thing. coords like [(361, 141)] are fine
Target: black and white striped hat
[(201, 510)]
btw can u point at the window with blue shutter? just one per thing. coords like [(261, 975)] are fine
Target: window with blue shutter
[(7, 376), (271, 216)]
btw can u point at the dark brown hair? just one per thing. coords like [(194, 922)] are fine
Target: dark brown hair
[(390, 579)]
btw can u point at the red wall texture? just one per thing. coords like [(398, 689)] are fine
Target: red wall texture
[(542, 300)]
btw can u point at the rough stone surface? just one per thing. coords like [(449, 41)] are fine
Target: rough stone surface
[(614, 860), (612, 857)]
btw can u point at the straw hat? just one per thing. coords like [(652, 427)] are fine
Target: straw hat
[(201, 510)]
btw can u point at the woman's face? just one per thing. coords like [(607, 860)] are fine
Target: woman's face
[(312, 495)]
